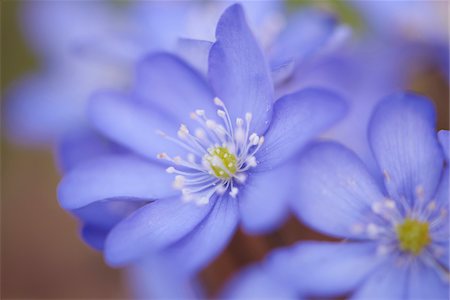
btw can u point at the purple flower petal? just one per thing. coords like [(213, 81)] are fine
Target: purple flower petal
[(335, 190), (195, 52), (263, 201), (125, 177), (323, 268), (444, 139), (403, 140), (388, 282), (80, 145), (256, 283), (166, 82), (425, 283), (94, 236), (208, 238), (238, 71), (132, 125), (297, 119), (152, 228)]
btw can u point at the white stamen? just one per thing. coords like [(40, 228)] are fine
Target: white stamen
[(219, 153), (234, 191)]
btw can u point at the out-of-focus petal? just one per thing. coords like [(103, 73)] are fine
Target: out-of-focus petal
[(157, 277), (323, 268), (390, 281), (425, 283), (208, 239), (404, 142), (94, 236), (166, 82), (132, 125), (80, 145), (306, 33), (119, 177), (256, 283), (238, 71), (335, 190), (444, 139), (263, 201), (195, 52), (298, 118), (152, 228)]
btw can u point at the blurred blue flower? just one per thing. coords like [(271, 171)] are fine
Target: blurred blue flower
[(397, 237), (84, 46), (228, 156), (419, 29)]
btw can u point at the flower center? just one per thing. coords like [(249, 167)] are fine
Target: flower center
[(222, 162), (413, 235), (219, 154)]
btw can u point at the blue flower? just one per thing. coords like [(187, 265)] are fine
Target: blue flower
[(396, 232), (226, 163)]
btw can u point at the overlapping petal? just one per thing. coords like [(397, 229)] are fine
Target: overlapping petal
[(208, 238), (444, 139), (118, 177), (238, 71), (263, 201), (256, 283), (323, 268), (298, 118), (132, 125), (155, 86), (152, 228), (403, 140), (335, 190)]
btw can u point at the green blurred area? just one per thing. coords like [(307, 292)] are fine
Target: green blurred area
[(16, 57)]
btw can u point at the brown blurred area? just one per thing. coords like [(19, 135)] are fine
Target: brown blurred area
[(42, 255)]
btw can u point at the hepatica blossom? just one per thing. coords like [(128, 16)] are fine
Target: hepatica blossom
[(396, 232), (205, 156)]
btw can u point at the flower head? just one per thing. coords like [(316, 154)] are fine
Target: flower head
[(202, 154), (396, 232)]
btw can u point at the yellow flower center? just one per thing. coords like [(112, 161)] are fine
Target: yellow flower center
[(222, 162), (413, 235)]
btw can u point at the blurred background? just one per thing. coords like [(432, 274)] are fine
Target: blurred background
[(42, 255)]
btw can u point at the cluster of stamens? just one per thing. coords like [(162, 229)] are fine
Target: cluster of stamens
[(218, 155), (409, 230)]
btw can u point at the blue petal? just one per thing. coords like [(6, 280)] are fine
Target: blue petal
[(305, 34), (323, 269), (238, 71), (256, 283), (114, 177), (152, 228), (335, 190), (263, 201), (132, 125), (166, 82), (157, 277), (425, 282), (442, 199), (80, 145), (195, 52), (388, 282), (94, 236), (403, 140), (208, 239), (106, 214), (40, 107), (444, 139), (297, 119), (56, 27)]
